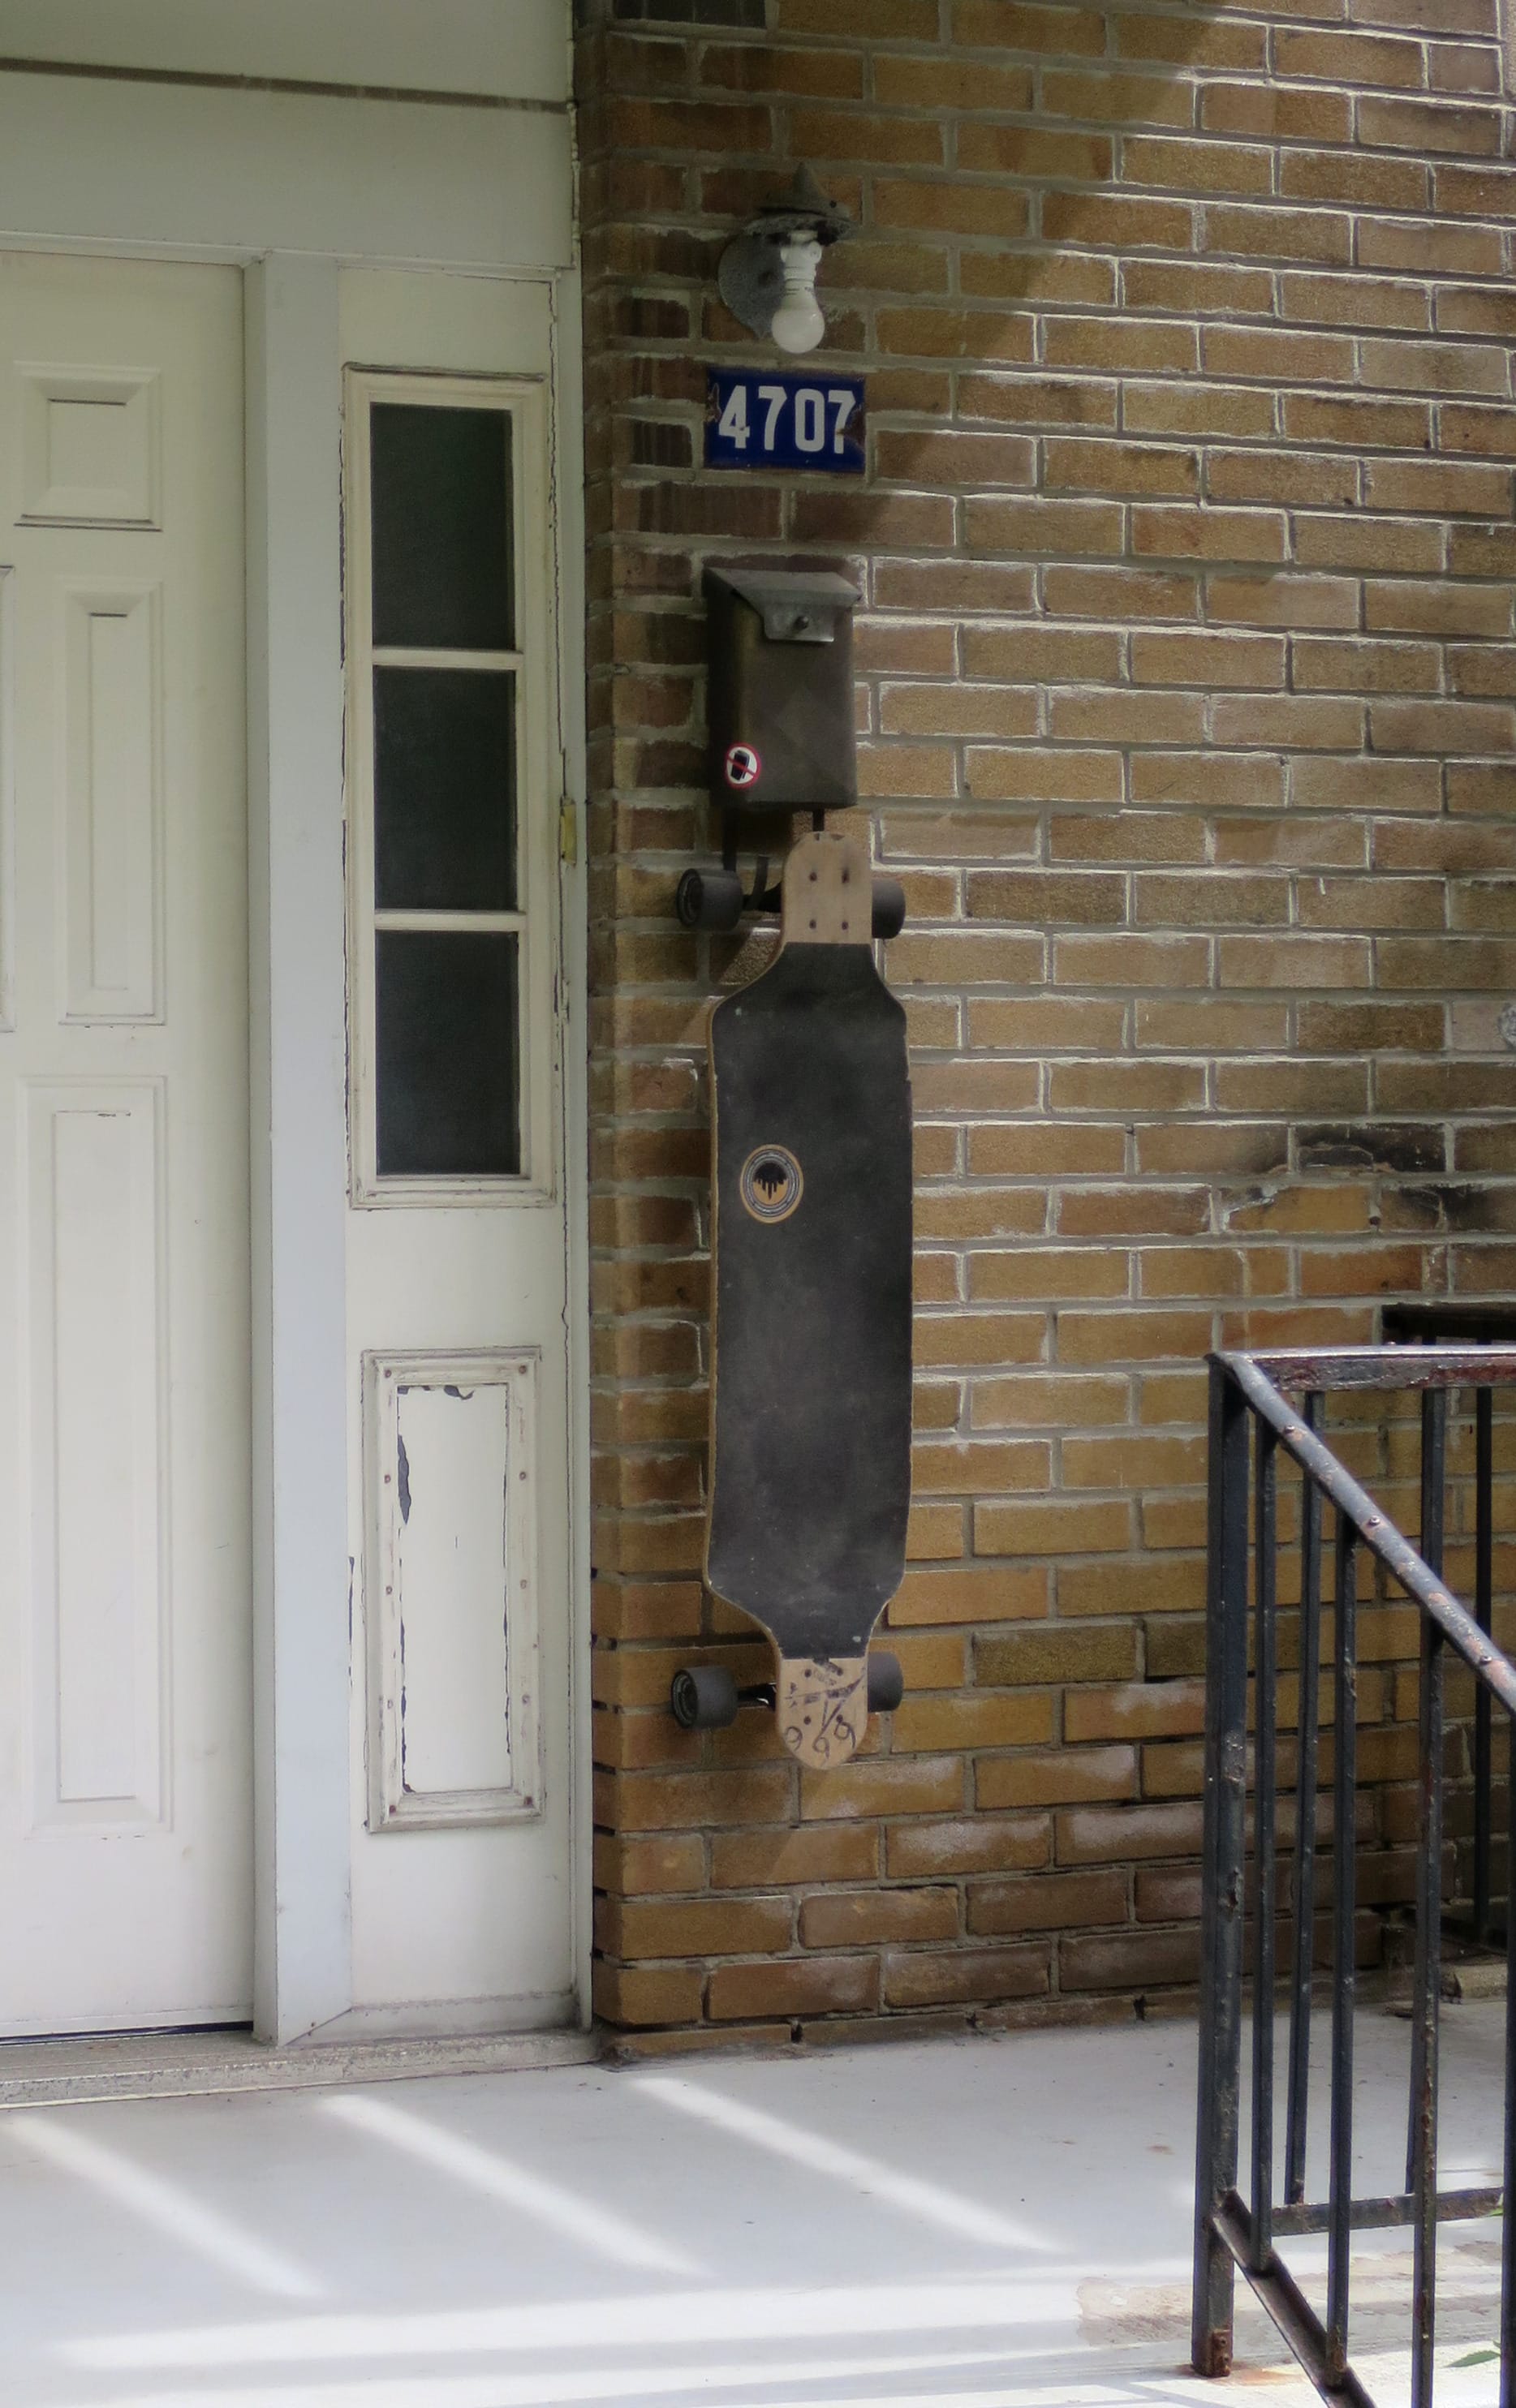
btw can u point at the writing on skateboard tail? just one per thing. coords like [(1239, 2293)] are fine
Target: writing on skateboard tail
[(822, 1705)]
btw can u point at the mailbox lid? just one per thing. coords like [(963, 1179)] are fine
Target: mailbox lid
[(796, 605)]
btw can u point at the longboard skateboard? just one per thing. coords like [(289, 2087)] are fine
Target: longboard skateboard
[(810, 1461)]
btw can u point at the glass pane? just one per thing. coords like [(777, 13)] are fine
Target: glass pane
[(444, 790), (441, 500), (447, 1086)]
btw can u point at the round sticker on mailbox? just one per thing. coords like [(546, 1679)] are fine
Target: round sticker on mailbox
[(743, 765)]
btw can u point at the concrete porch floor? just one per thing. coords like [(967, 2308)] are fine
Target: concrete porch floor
[(996, 2223)]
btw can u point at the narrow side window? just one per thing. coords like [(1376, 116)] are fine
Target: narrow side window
[(439, 695)]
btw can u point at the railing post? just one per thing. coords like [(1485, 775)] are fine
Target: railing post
[(1304, 1869), (1484, 1587), (1266, 1693), (1344, 1963), (1508, 2232), (1421, 2177), (1222, 1902), (1421, 2147)]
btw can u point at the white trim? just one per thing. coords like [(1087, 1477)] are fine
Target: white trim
[(568, 496), (7, 795), (523, 400), (491, 48), (302, 1974), (499, 924), (211, 173), (198, 2065), (461, 327), (142, 1001), (105, 169), (393, 1803), (403, 656), (141, 1365), (135, 391)]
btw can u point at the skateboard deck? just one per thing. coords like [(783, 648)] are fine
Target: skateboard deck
[(810, 1467)]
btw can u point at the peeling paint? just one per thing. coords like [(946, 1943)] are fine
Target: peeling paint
[(402, 1476)]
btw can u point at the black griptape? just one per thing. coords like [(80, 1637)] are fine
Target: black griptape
[(811, 1415)]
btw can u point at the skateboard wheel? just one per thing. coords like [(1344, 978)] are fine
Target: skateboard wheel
[(709, 898), (703, 1697), (888, 907), (887, 1681)]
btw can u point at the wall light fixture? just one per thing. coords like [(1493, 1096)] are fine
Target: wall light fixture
[(767, 276)]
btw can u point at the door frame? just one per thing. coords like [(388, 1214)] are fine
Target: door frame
[(303, 1649)]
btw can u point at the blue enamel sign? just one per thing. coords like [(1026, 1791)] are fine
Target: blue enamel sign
[(762, 417)]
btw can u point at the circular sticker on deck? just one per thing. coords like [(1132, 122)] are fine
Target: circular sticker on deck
[(744, 767), (770, 1183)]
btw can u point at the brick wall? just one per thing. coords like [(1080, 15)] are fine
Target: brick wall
[(1187, 709)]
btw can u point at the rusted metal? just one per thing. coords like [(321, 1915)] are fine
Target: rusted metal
[(1507, 2231), (1231, 2232), (1421, 2143), (1384, 2215), (1488, 1322), (1374, 1527), (1483, 1594), (1292, 2312), (1344, 1965), (1299, 1367), (1434, 1494), (1222, 1907), (1304, 1892), (1266, 1509), (1422, 2178)]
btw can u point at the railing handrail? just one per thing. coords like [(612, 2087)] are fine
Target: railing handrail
[(1255, 1375), (1409, 1364)]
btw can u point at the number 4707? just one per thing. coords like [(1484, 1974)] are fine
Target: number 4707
[(811, 407)]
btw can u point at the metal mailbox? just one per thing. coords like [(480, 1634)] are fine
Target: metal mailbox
[(780, 702)]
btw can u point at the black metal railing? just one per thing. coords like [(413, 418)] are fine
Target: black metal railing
[(1250, 1398), (1489, 1322)]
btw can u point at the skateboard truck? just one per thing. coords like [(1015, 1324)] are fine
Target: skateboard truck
[(713, 899), (706, 1696), (781, 712)]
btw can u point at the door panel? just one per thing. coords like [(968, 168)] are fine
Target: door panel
[(124, 1604), (462, 1886)]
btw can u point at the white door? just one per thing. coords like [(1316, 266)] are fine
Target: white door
[(125, 1683), (462, 1895)]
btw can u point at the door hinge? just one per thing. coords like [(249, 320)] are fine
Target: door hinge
[(569, 832)]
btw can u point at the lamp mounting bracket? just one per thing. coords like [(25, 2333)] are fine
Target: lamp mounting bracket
[(751, 275)]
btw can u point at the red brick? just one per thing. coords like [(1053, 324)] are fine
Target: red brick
[(1129, 1960), (974, 1843), (648, 1993), (1073, 1776), (781, 1857), (1112, 1834), (935, 1977), (1046, 1902), (793, 1986), (868, 1917), (1185, 676)]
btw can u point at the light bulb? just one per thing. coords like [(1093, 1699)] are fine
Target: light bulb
[(798, 324)]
